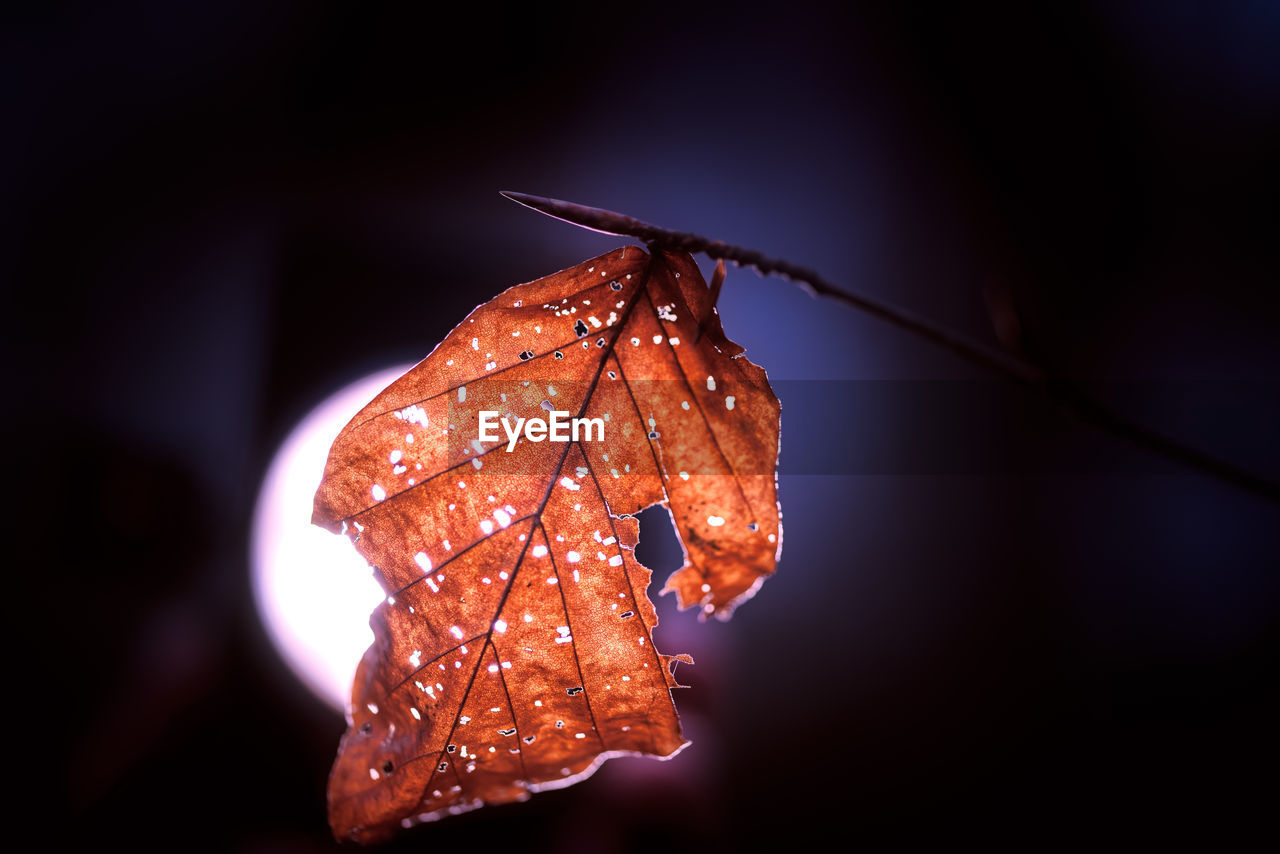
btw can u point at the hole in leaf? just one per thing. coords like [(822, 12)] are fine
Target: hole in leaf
[(659, 548)]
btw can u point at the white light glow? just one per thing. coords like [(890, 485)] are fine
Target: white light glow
[(313, 591)]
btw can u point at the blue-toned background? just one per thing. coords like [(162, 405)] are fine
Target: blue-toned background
[(1014, 630)]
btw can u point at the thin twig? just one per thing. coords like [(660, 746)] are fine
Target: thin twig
[(1072, 399)]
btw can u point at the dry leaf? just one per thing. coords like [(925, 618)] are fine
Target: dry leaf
[(514, 651)]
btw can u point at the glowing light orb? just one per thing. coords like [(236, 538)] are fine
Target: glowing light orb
[(313, 591)]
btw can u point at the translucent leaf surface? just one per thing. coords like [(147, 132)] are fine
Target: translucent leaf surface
[(515, 649)]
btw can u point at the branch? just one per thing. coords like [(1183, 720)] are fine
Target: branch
[(1073, 400)]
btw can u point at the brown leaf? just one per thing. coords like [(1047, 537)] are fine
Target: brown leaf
[(515, 649)]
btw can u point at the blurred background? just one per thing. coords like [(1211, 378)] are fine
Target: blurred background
[(989, 622)]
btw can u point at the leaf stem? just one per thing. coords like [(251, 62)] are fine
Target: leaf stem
[(1070, 398)]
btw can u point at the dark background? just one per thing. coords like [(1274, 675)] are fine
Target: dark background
[(1010, 629)]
